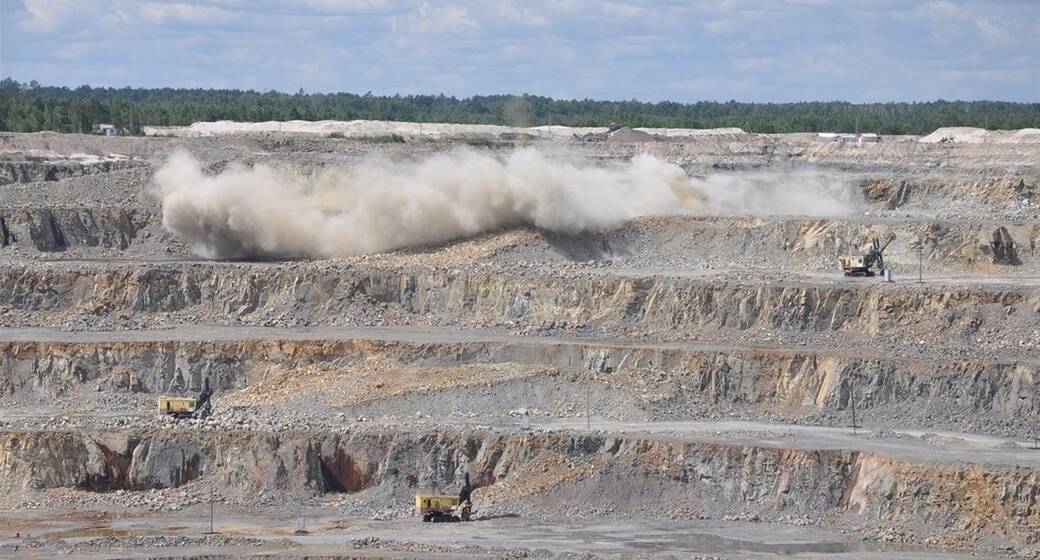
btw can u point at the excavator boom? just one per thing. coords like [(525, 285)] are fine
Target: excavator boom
[(891, 238)]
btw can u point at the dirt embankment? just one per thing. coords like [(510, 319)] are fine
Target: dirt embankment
[(999, 315), (676, 478), (659, 382)]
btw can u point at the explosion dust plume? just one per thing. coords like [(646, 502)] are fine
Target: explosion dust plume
[(378, 205)]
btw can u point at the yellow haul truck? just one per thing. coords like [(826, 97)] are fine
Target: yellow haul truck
[(445, 508)]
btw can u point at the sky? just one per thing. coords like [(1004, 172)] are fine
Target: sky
[(747, 50)]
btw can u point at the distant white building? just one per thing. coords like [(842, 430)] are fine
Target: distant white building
[(106, 130), (846, 138)]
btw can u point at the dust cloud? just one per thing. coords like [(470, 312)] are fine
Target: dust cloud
[(379, 205)]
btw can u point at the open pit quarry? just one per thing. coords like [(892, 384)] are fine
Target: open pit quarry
[(637, 343)]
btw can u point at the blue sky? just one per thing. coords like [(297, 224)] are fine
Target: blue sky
[(749, 50)]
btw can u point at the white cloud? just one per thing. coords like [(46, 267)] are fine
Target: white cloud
[(48, 15), (625, 10), (352, 8), (992, 30), (523, 13), (720, 25), (350, 5), (441, 19), (74, 51), (732, 18), (181, 12), (950, 21), (52, 15)]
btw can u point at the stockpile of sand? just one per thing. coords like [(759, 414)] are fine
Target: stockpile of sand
[(959, 134), (973, 135), (353, 129), (629, 135), (1026, 135), (687, 132), (365, 129), (375, 129)]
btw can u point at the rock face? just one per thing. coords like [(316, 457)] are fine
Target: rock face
[(798, 243), (675, 306), (785, 244), (788, 382), (694, 478), (1005, 250), (998, 192), (57, 229), (31, 171)]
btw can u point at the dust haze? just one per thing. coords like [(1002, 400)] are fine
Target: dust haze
[(379, 205)]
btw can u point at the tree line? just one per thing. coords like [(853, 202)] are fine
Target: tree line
[(31, 107)]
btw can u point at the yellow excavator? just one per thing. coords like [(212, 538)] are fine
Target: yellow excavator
[(446, 508), (864, 264)]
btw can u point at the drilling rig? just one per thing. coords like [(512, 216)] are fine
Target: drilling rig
[(187, 407), (865, 264)]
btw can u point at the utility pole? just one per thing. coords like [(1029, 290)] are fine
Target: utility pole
[(1036, 430), (301, 521), (588, 387), (920, 264), (212, 530), (920, 261), (588, 419), (852, 401)]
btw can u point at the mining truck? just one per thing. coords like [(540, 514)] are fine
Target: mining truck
[(865, 264), (445, 508), (187, 407)]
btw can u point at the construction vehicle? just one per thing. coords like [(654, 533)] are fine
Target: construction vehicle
[(864, 264), (187, 407), (446, 508)]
